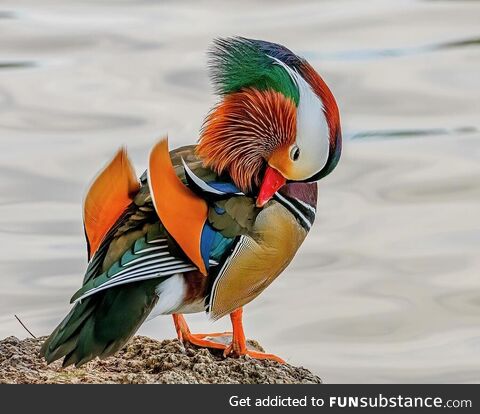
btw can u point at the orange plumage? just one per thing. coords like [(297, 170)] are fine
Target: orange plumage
[(176, 205), (108, 197)]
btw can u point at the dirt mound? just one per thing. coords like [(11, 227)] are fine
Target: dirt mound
[(146, 360)]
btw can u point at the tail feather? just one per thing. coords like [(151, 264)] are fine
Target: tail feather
[(63, 339), (87, 346), (101, 324), (66, 331)]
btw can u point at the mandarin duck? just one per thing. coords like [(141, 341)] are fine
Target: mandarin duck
[(209, 226)]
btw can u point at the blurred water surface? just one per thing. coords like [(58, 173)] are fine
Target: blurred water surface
[(387, 286)]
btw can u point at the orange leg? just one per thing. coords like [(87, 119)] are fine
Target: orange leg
[(184, 334), (238, 347)]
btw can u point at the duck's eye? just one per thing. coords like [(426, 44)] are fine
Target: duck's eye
[(295, 153)]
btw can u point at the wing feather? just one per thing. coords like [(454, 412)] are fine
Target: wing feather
[(181, 211), (108, 197), (149, 257)]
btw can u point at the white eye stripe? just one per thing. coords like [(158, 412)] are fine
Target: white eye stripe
[(312, 128)]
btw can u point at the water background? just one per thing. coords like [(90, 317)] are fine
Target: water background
[(386, 287)]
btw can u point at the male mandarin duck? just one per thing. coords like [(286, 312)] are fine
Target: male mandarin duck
[(208, 227)]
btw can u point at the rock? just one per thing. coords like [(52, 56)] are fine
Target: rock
[(144, 361)]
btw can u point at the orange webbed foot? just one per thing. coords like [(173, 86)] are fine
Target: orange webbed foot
[(233, 343), (200, 339), (234, 351), (238, 347)]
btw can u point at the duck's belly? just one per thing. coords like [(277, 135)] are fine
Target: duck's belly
[(180, 293)]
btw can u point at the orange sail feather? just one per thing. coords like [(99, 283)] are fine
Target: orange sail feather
[(182, 213), (108, 197)]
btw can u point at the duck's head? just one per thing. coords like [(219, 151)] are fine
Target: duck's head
[(277, 120)]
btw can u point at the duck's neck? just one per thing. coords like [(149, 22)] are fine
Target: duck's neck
[(301, 200)]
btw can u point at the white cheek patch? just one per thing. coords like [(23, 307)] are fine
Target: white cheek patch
[(312, 130)]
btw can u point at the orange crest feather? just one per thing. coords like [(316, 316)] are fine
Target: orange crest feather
[(243, 131)]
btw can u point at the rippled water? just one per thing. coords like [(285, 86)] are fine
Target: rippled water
[(387, 286)]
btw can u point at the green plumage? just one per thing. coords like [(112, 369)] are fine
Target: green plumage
[(101, 324), (234, 216), (238, 63)]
